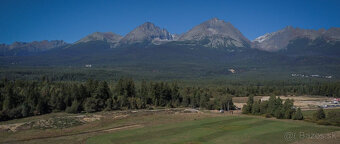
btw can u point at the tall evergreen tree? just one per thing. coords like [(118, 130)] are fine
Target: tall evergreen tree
[(298, 115)]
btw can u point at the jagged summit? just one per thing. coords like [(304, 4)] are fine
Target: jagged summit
[(147, 32)]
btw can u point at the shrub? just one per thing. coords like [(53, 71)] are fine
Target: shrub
[(268, 115), (319, 114)]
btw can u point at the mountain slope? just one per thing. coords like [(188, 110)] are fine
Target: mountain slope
[(279, 40), (216, 33), (31, 48), (102, 36), (146, 32)]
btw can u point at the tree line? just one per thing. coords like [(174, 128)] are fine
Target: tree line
[(20, 98), (273, 107), (260, 88)]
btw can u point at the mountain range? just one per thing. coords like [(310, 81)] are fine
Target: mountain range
[(213, 43), (213, 33)]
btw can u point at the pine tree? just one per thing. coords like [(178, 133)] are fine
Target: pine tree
[(298, 115), (256, 107), (9, 101), (74, 108), (271, 105), (90, 105), (248, 107), (288, 108), (279, 112), (263, 107)]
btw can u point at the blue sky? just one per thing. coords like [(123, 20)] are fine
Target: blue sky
[(70, 20)]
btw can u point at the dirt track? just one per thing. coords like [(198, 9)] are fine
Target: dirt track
[(80, 133)]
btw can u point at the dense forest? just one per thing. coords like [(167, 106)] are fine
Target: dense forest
[(26, 98), (22, 98)]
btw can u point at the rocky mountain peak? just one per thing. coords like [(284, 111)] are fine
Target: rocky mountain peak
[(101, 36), (218, 32), (147, 32)]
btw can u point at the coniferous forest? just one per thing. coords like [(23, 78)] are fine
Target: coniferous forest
[(22, 98)]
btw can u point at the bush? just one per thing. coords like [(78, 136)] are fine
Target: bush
[(268, 115), (4, 115), (319, 114), (15, 113)]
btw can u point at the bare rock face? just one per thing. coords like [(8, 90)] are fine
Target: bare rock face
[(146, 32), (279, 40), (332, 34), (38, 45), (218, 33), (102, 36)]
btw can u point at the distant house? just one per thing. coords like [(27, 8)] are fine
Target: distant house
[(88, 65), (329, 77), (315, 75)]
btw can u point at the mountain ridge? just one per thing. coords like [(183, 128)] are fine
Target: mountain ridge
[(213, 33), (279, 40)]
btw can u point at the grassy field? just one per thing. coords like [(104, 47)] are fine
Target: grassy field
[(219, 130), (161, 126), (308, 114)]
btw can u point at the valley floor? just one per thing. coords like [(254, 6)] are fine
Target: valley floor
[(163, 126)]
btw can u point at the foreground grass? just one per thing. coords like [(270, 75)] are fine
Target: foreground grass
[(219, 130), (79, 133)]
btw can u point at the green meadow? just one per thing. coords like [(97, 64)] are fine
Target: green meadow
[(219, 130)]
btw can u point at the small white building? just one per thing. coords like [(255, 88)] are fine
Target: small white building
[(88, 65), (232, 70)]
